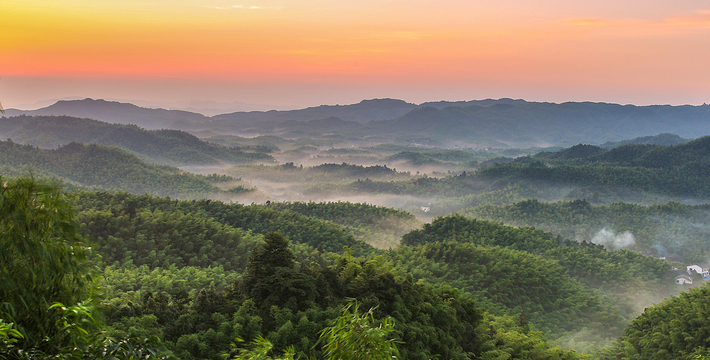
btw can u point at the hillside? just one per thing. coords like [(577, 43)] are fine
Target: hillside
[(501, 266), (102, 167), (660, 139), (158, 233), (546, 249), (671, 230), (679, 170), (674, 329), (117, 214), (187, 271), (171, 147), (378, 226)]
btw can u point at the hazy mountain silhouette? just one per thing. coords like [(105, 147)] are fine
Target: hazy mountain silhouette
[(120, 113), (364, 111), (164, 146), (502, 122), (545, 124)]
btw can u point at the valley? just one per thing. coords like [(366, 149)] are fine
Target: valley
[(486, 229)]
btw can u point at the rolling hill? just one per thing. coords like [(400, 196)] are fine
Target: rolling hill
[(173, 147)]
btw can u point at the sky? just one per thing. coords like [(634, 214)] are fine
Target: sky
[(310, 52)]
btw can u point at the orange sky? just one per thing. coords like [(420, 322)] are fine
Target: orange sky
[(310, 52)]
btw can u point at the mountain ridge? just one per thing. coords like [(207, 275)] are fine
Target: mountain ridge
[(503, 122)]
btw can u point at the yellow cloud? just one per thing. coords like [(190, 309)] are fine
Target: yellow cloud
[(699, 20), (588, 22)]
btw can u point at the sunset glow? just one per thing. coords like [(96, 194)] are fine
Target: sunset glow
[(313, 52)]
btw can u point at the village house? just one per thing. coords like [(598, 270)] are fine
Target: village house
[(698, 270), (684, 280)]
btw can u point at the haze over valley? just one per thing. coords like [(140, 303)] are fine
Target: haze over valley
[(380, 173), (354, 180)]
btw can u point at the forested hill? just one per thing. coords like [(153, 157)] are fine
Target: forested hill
[(672, 230), (539, 289), (570, 254), (376, 225), (502, 266), (181, 226), (660, 139), (200, 273), (641, 155), (676, 329), (171, 147), (679, 170), (102, 167)]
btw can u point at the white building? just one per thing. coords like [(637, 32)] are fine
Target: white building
[(697, 269), (684, 280)]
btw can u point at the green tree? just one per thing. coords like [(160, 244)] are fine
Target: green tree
[(45, 264), (42, 260), (353, 336), (356, 336), (260, 351)]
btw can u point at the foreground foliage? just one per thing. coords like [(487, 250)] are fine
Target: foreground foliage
[(198, 274), (674, 329), (43, 264)]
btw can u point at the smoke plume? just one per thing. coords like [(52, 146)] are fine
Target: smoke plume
[(613, 241)]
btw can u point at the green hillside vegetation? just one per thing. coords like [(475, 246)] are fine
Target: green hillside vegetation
[(660, 139), (119, 219), (376, 225), (674, 329), (200, 273), (671, 230), (679, 170), (103, 167), (512, 282), (162, 244), (589, 263), (645, 174), (50, 288), (289, 305), (597, 275), (171, 147)]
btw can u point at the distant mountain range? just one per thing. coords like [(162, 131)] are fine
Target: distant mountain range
[(172, 147), (478, 123), (120, 113)]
